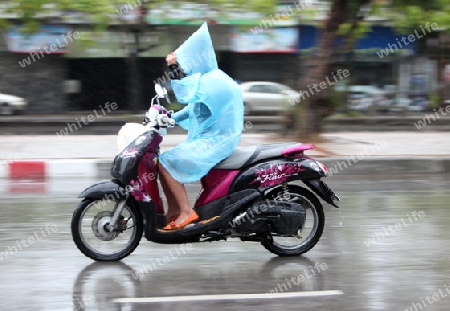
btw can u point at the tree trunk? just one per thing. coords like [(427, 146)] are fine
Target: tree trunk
[(316, 104)]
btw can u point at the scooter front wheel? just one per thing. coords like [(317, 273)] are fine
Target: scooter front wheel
[(95, 238)]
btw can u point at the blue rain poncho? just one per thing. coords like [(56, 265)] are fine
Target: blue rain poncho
[(214, 113)]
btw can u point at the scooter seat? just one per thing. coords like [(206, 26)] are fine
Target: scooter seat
[(246, 156)]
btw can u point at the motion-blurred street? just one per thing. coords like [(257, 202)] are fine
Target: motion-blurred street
[(376, 265), (363, 85)]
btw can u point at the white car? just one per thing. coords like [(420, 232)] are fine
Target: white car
[(10, 104), (262, 96), (403, 103), (362, 97)]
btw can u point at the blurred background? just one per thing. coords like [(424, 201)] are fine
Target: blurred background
[(382, 130), (121, 48)]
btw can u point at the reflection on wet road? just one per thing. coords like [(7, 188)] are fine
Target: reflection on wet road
[(387, 248)]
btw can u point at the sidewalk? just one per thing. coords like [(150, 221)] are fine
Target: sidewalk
[(108, 124), (412, 152)]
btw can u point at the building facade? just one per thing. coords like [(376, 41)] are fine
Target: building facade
[(94, 68)]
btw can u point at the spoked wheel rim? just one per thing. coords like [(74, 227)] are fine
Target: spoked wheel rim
[(94, 231), (98, 284), (305, 235)]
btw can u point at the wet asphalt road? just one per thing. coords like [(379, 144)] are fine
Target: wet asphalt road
[(387, 248)]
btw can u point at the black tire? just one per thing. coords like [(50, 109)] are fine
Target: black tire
[(91, 252), (285, 251)]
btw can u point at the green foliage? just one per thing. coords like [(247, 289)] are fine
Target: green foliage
[(435, 100), (353, 114), (335, 99), (408, 15), (175, 106), (362, 28), (101, 13), (308, 14)]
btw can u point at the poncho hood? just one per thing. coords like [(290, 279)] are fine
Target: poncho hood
[(196, 54), (196, 57)]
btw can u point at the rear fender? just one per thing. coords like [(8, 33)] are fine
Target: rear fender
[(323, 191)]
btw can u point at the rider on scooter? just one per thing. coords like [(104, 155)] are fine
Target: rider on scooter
[(213, 117)]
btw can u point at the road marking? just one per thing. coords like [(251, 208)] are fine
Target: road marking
[(229, 297)]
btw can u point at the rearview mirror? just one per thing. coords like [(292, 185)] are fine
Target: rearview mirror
[(161, 91)]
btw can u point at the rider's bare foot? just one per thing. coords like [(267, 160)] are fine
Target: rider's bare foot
[(184, 215), (182, 221), (172, 218)]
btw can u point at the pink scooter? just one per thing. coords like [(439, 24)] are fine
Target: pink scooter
[(251, 195)]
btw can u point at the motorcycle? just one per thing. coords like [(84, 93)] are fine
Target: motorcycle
[(250, 195)]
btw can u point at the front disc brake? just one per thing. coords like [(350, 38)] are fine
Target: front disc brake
[(99, 226)]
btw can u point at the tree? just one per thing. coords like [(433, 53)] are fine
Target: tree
[(346, 16), (315, 105)]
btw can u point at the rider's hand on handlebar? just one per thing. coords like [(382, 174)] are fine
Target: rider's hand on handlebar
[(164, 120)]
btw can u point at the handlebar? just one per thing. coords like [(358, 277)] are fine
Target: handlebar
[(158, 116), (167, 120)]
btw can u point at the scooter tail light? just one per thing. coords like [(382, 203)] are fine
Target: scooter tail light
[(323, 167)]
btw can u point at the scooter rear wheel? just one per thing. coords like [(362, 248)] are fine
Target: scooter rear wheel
[(94, 239), (315, 218)]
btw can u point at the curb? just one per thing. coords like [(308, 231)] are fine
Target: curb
[(99, 168), (42, 169)]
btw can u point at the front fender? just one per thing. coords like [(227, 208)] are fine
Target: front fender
[(104, 189)]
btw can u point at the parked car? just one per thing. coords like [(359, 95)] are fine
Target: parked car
[(10, 104), (262, 96), (401, 104), (362, 97)]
